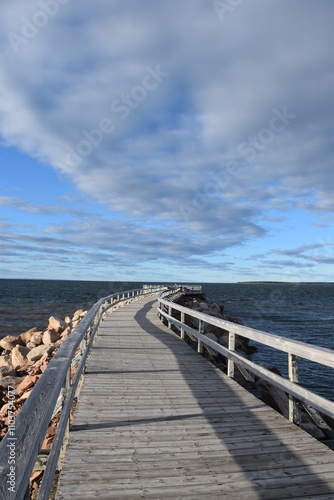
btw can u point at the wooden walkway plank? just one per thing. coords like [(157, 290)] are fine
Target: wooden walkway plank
[(157, 421)]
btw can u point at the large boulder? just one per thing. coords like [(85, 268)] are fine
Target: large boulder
[(37, 352), (19, 356), (56, 324), (9, 342), (50, 337)]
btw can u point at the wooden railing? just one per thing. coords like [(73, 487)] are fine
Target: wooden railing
[(293, 348), (20, 450)]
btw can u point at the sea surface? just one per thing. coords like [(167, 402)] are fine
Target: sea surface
[(300, 311)]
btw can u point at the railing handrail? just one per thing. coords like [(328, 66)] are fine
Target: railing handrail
[(294, 348), (301, 349), (33, 419)]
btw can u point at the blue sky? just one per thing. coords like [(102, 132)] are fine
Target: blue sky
[(167, 141)]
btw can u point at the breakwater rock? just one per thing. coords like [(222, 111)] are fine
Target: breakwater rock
[(201, 304), (24, 358)]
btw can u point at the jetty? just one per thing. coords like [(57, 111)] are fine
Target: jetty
[(144, 415)]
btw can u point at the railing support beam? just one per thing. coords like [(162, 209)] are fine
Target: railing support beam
[(182, 321), (294, 414), (200, 343), (231, 347)]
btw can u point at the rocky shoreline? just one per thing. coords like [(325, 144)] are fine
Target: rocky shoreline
[(24, 358)]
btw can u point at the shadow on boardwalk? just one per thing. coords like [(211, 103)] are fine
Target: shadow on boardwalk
[(260, 446)]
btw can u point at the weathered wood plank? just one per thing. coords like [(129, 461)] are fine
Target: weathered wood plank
[(142, 431)]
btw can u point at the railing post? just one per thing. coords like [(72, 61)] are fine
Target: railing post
[(231, 347), (294, 415), (200, 330), (66, 388), (170, 313), (182, 321)]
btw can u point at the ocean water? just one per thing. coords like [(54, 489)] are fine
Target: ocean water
[(299, 311)]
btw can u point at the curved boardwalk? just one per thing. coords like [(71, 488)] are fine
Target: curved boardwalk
[(155, 420)]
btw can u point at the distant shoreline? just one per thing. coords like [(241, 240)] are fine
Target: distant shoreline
[(285, 282)]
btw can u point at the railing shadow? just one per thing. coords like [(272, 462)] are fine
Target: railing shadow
[(282, 466)]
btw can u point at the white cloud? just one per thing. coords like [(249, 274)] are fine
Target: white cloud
[(221, 82)]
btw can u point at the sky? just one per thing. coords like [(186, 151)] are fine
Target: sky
[(167, 141)]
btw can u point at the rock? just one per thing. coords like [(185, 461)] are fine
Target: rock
[(24, 396), (37, 338), (76, 315), (27, 382), (223, 340), (56, 324), (5, 359), (40, 365), (230, 318), (37, 352), (215, 313), (204, 306), (66, 333), (35, 479), (19, 356), (79, 315), (7, 371), (75, 323), (50, 337), (26, 336), (4, 410), (31, 345), (212, 336), (313, 430), (68, 320), (47, 443), (9, 342), (10, 382)]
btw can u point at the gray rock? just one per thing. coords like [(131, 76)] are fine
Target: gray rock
[(37, 352), (212, 336)]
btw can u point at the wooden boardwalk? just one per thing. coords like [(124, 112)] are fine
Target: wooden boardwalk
[(155, 420)]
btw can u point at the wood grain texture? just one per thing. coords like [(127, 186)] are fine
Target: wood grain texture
[(155, 420)]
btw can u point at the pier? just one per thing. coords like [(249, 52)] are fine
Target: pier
[(156, 420)]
